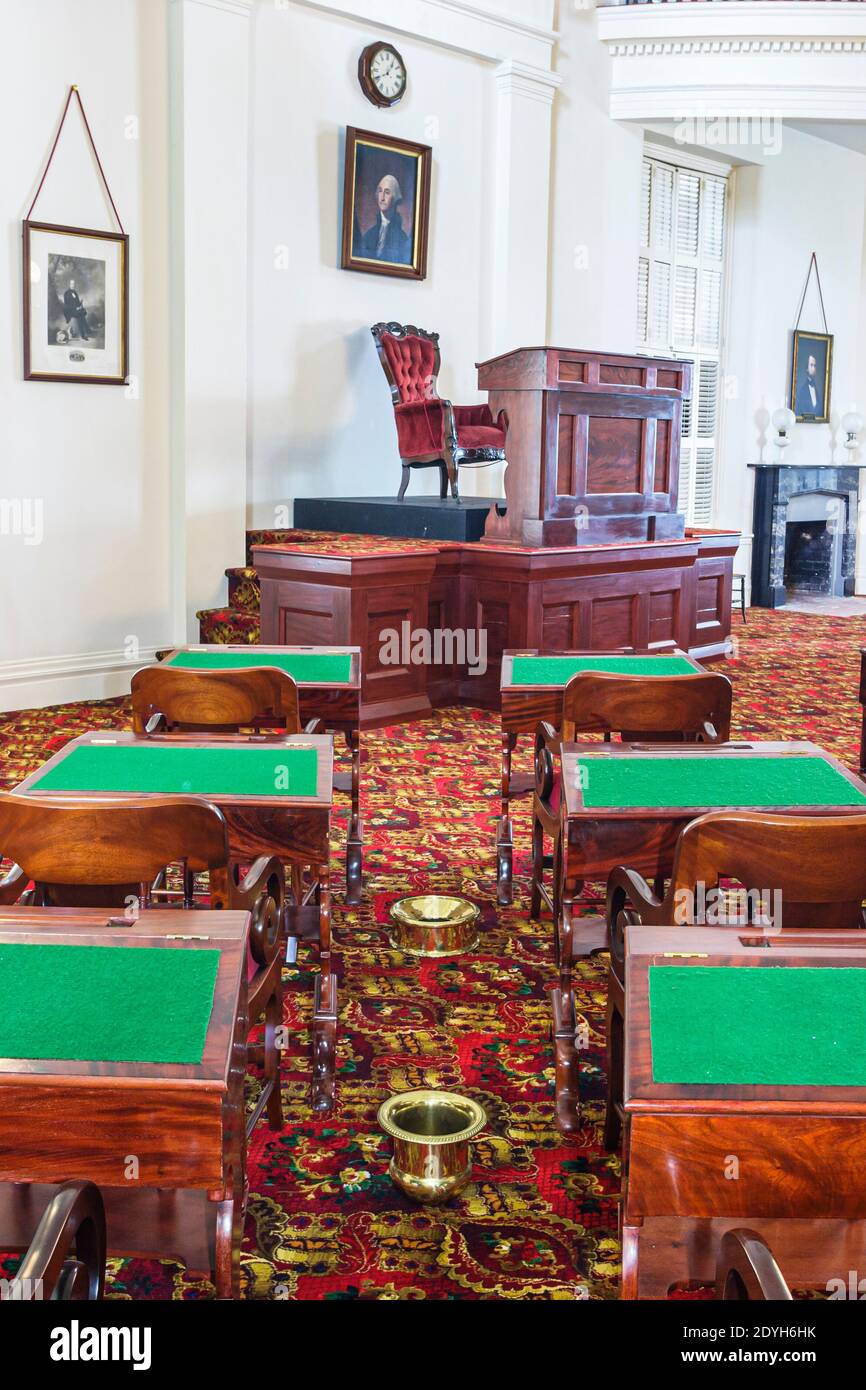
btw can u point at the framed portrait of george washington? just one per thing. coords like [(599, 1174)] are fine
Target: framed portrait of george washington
[(386, 205), (76, 296)]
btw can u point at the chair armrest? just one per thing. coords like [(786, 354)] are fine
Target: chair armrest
[(421, 426), (265, 875), (627, 884), (548, 745), (75, 1215), (262, 893), (449, 424), (12, 885)]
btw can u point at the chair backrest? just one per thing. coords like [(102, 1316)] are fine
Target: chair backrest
[(746, 1270), (410, 359), (67, 1254), (221, 699), (90, 852), (810, 862), (662, 709)]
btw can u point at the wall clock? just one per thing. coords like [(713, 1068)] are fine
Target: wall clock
[(382, 74)]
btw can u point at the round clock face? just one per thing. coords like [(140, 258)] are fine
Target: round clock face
[(385, 74)]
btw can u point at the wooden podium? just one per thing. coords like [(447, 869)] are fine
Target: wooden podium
[(593, 446)]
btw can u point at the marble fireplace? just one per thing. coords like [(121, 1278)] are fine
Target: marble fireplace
[(805, 532)]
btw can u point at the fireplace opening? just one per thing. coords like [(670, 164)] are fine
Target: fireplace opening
[(813, 548), (808, 554)]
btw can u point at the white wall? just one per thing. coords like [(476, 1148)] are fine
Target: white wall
[(281, 393), (321, 418), (96, 456), (595, 203), (808, 197)]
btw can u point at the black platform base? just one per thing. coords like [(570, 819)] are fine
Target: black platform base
[(426, 518)]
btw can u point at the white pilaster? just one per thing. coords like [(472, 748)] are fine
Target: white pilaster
[(210, 59), (521, 205)]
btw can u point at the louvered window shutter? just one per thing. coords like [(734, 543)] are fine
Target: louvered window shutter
[(681, 269)]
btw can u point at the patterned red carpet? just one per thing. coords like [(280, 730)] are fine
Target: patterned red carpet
[(540, 1218)]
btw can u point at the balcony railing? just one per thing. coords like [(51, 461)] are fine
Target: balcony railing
[(673, 58)]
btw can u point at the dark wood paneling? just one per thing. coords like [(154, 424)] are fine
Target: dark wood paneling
[(593, 597), (614, 455), (572, 371), (611, 375), (661, 481), (565, 480), (599, 411)]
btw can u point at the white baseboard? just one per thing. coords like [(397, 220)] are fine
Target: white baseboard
[(61, 680)]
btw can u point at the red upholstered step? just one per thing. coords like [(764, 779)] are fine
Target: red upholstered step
[(227, 625), (245, 592)]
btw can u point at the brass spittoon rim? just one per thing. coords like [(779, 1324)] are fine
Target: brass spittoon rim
[(397, 909), (422, 1098)]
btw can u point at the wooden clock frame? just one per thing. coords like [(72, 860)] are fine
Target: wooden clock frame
[(368, 86)]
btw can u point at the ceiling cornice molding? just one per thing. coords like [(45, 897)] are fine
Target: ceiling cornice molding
[(502, 21), (458, 24)]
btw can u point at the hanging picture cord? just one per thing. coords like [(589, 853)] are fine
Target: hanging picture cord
[(74, 92), (813, 265)]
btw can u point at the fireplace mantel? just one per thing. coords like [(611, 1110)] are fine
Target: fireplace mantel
[(810, 467), (775, 485)]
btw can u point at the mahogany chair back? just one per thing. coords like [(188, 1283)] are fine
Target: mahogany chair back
[(746, 1270), (66, 1258), (811, 862), (660, 709), (98, 851), (177, 698)]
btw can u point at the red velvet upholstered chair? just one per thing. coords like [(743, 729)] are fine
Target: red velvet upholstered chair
[(432, 432)]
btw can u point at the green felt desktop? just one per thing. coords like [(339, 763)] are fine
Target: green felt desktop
[(757, 1025), (175, 769), (713, 780), (558, 670), (309, 668), (106, 1003)]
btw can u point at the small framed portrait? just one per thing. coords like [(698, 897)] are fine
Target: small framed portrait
[(811, 373), (386, 205), (76, 301)]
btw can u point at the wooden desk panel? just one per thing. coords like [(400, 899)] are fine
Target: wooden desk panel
[(799, 1150), (294, 828), (183, 1124), (522, 709), (597, 840), (591, 597)]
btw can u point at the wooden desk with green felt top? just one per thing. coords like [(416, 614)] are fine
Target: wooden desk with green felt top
[(743, 1048), (531, 689), (142, 1057), (275, 794), (329, 688), (626, 804)]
